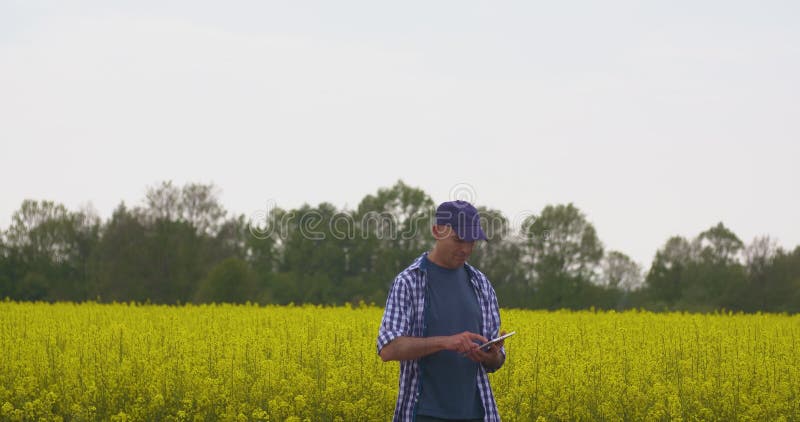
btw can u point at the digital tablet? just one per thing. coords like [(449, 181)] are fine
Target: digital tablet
[(503, 337)]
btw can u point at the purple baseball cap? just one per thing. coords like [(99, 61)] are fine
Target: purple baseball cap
[(463, 218)]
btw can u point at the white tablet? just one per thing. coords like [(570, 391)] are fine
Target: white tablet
[(503, 337)]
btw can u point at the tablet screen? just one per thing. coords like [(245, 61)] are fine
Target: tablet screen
[(503, 337)]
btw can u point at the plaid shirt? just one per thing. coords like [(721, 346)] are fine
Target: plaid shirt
[(404, 315)]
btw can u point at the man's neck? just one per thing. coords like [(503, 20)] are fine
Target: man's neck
[(436, 259)]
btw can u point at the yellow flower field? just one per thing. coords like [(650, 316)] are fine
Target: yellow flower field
[(136, 362)]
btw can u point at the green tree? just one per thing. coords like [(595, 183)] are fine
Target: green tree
[(120, 266), (718, 278), (6, 287), (183, 226), (392, 228), (53, 245), (201, 208), (773, 277), (703, 275), (620, 272), (667, 278), (563, 253), (262, 238), (161, 252), (178, 259), (500, 258), (562, 241), (490, 255), (194, 204), (314, 254), (230, 281), (760, 256), (784, 276), (719, 245)]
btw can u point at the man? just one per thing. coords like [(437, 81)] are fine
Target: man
[(438, 311)]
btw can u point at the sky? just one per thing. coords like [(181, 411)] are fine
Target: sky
[(655, 119)]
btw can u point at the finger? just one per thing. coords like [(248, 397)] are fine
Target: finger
[(475, 356), (469, 351), (479, 356), (478, 337), (501, 342), (461, 343)]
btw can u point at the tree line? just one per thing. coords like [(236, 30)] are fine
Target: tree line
[(181, 245)]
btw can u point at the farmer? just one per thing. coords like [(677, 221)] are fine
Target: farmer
[(438, 311)]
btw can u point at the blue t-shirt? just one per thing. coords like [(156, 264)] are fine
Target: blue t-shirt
[(449, 380)]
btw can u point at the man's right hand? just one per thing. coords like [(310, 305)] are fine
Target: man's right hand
[(464, 342), (409, 348)]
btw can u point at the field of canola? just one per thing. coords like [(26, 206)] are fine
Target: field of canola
[(127, 362)]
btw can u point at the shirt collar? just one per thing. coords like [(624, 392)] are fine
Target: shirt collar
[(420, 264)]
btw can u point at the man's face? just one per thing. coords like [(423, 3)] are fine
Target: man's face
[(454, 252)]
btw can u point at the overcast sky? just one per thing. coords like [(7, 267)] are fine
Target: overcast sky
[(654, 118)]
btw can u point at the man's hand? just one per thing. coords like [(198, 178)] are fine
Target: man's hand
[(496, 347), (492, 358), (409, 348), (464, 343)]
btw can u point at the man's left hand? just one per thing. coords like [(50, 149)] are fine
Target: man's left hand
[(491, 358)]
